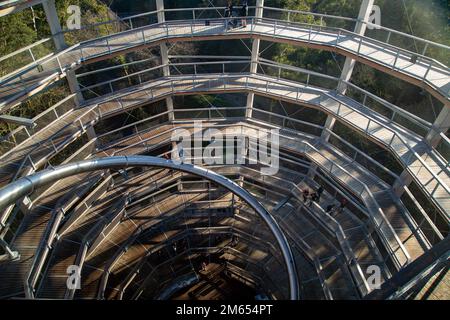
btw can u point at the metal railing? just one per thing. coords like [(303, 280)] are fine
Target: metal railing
[(129, 213), (223, 65), (395, 110), (137, 78), (25, 57), (117, 99), (23, 134), (45, 245), (24, 187), (103, 281), (336, 230), (376, 214), (331, 170), (127, 126), (287, 14), (357, 274), (427, 63), (153, 95), (52, 69)]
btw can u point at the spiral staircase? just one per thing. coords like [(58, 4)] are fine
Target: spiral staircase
[(142, 228)]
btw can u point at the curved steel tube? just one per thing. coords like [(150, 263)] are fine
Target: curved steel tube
[(25, 186)]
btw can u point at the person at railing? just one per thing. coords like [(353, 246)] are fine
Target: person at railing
[(244, 14), (228, 14), (343, 204), (313, 198), (307, 197), (174, 247), (234, 241), (305, 194), (330, 208), (340, 209), (316, 195)]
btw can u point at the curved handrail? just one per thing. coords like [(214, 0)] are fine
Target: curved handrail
[(25, 186), (172, 81), (24, 131), (122, 128), (377, 214), (394, 109), (166, 24)]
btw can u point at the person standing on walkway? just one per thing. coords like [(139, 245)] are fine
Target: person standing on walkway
[(319, 194), (228, 14), (343, 203), (305, 195), (244, 14), (330, 208)]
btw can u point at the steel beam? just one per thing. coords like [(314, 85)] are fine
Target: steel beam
[(53, 21), (255, 57), (18, 121), (349, 65), (441, 125), (165, 56), (58, 38), (360, 29)]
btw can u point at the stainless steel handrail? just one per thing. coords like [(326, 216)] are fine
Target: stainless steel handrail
[(432, 62), (25, 186)]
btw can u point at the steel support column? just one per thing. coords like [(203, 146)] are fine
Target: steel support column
[(53, 21), (347, 71), (255, 57), (360, 29), (441, 125), (165, 56), (58, 38)]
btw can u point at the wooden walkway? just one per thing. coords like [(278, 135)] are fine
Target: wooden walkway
[(430, 171), (402, 142), (385, 132), (357, 188), (134, 252), (185, 86), (325, 156), (34, 226), (376, 54), (95, 272)]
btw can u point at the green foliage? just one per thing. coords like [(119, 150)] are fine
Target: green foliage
[(426, 19), (28, 26), (16, 32), (203, 101), (92, 12), (36, 105)]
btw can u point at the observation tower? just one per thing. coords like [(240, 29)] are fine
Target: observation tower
[(169, 153)]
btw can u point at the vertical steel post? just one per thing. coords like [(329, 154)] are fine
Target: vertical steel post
[(255, 57), (165, 56)]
